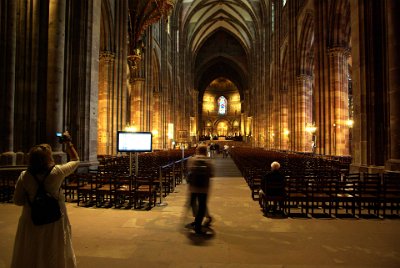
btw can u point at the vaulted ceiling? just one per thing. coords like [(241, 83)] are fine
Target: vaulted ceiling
[(220, 36)]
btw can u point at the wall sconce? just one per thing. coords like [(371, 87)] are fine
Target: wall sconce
[(350, 123), (154, 132), (311, 128), (286, 132)]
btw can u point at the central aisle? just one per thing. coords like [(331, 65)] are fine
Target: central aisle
[(225, 167)]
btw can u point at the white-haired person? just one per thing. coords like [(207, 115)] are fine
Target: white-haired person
[(272, 185)]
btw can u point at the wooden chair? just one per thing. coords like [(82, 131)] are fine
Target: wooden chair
[(104, 190), (70, 186), (145, 190), (369, 195), (255, 185), (297, 195), (391, 194), (8, 179), (273, 202), (124, 191), (167, 180), (178, 172), (346, 192), (86, 189), (320, 195)]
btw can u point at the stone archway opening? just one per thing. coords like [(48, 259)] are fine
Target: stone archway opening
[(221, 109)]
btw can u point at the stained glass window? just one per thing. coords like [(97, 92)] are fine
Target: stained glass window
[(222, 103)]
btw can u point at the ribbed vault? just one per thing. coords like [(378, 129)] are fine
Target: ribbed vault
[(220, 35)]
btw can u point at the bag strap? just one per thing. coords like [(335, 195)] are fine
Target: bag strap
[(40, 183), (45, 177)]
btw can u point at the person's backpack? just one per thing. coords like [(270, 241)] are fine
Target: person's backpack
[(44, 207), (199, 175)]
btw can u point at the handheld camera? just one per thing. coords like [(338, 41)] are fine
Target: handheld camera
[(62, 138)]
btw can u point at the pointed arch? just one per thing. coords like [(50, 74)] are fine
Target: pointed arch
[(306, 45), (106, 27)]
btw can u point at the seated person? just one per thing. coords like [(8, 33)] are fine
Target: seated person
[(272, 185)]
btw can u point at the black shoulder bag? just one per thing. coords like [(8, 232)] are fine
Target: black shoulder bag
[(45, 208)]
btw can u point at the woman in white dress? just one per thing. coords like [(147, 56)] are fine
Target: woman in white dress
[(46, 245)]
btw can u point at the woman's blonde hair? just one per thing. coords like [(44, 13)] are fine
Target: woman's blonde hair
[(40, 159)]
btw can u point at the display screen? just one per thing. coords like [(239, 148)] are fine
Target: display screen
[(134, 141)]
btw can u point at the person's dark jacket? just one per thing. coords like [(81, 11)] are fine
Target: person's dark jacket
[(273, 183)]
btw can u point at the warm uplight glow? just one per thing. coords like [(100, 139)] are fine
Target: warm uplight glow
[(154, 132), (350, 123), (311, 128), (130, 128), (286, 132), (170, 131)]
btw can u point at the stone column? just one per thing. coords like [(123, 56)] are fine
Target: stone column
[(168, 120), (156, 120), (93, 53), (8, 40), (339, 92), (137, 85), (55, 75), (284, 131), (196, 130), (393, 42), (106, 70), (303, 114)]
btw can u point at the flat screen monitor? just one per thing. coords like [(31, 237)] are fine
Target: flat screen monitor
[(134, 141)]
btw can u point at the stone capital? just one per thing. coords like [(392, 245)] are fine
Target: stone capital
[(107, 56), (134, 80), (339, 51), (133, 61), (303, 78)]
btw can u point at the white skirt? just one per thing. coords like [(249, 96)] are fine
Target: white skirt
[(43, 246)]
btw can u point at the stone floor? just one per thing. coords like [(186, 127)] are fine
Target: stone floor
[(240, 236)]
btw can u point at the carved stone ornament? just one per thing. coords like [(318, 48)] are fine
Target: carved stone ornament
[(142, 14)]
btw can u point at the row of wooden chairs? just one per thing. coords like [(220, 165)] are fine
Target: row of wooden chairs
[(107, 190), (8, 178), (353, 195), (163, 169), (316, 183), (111, 188)]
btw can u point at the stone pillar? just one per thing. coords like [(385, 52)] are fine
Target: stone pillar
[(284, 131), (93, 32), (55, 75), (156, 120), (303, 114), (339, 92), (168, 119), (106, 71), (197, 124), (8, 40), (393, 51), (137, 86)]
